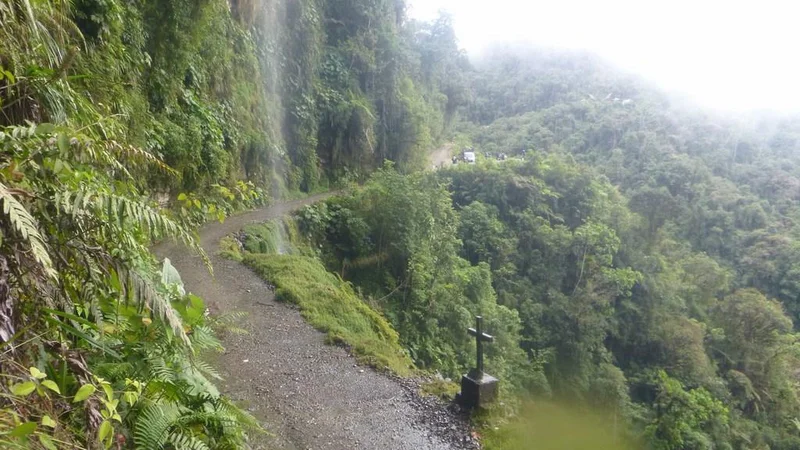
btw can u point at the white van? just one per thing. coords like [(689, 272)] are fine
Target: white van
[(469, 157)]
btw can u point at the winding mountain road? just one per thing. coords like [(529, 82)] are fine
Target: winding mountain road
[(309, 395)]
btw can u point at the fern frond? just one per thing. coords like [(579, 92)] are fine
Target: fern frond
[(206, 369), (203, 338), (138, 155), (152, 427), (100, 157), (159, 370), (217, 413), (243, 418), (184, 441), (229, 318), (228, 322), (212, 420), (124, 212), (25, 225), (115, 370), (145, 294)]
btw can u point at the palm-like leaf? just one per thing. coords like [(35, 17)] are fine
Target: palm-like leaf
[(25, 226), (122, 212), (145, 293)]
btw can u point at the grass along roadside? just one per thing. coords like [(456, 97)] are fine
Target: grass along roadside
[(332, 306), (277, 253)]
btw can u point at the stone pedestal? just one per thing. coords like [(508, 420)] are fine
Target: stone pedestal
[(477, 389)]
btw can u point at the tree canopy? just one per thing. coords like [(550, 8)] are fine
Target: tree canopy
[(640, 252)]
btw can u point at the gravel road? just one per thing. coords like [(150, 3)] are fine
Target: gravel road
[(442, 156), (309, 395)]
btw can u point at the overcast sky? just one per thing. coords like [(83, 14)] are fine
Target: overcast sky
[(729, 55)]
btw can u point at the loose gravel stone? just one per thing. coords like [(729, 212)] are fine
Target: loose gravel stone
[(307, 394)]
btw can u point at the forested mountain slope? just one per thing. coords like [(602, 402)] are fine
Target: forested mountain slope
[(710, 242), (727, 185), (292, 92), (636, 255)]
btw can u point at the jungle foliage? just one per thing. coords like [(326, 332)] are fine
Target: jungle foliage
[(101, 346), (707, 224), (637, 254), (634, 256), (111, 110)]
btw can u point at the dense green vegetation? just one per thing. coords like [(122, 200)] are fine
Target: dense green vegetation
[(396, 240), (634, 256), (637, 257), (288, 96), (276, 252), (111, 110), (101, 345), (709, 319), (332, 306)]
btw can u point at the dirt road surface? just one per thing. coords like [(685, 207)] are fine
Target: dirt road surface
[(442, 156), (309, 395)]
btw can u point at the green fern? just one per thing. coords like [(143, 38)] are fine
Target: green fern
[(183, 441), (115, 370), (86, 217), (137, 155), (153, 425), (229, 318), (227, 322), (125, 212), (159, 370), (39, 34), (203, 339), (206, 369), (144, 293), (219, 413), (25, 225), (243, 418), (160, 426)]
